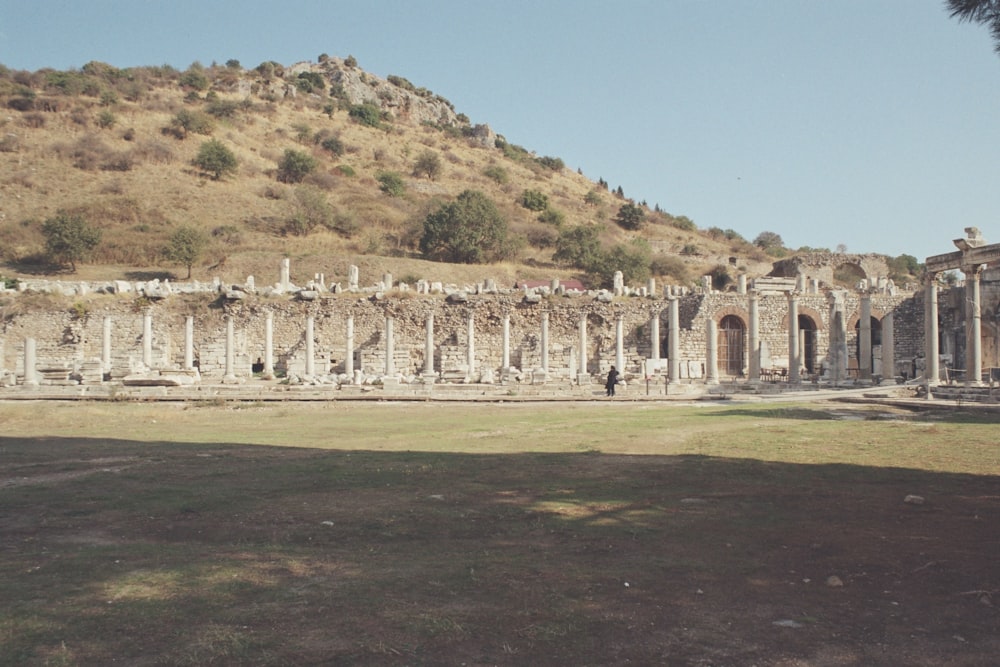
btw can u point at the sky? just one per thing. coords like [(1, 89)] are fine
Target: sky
[(871, 124)]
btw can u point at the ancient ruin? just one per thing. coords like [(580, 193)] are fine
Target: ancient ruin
[(792, 329)]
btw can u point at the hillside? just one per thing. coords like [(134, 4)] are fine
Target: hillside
[(117, 148)]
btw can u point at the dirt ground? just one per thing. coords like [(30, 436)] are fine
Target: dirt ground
[(117, 552)]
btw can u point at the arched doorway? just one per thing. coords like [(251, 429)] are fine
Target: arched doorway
[(731, 346), (808, 342)]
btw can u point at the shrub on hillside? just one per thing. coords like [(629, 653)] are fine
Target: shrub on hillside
[(187, 121), (216, 159), (533, 200), (630, 216), (69, 239), (295, 166), (497, 174), (428, 164), (469, 230), (391, 183)]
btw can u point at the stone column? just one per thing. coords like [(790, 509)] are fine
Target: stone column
[(753, 339), (545, 343), (888, 348), (793, 337), (349, 352), (654, 335), (147, 338), (390, 347), (230, 375), (269, 345), (583, 348), (310, 347), (429, 348), (674, 343), (189, 343), (505, 359), (620, 344), (471, 346), (973, 328), (286, 274), (931, 370), (106, 346), (865, 338), (712, 352), (30, 363)]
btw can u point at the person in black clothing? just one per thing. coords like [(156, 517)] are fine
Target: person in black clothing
[(612, 381)]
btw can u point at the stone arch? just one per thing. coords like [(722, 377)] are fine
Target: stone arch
[(812, 313), (725, 311)]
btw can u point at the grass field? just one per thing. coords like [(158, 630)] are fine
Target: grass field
[(504, 534)]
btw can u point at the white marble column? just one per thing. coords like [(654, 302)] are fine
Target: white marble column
[(545, 343), (310, 347), (583, 348), (865, 338), (973, 329), (620, 344), (505, 358), (429, 348), (349, 352), (470, 337), (794, 362), (674, 342), (30, 363), (230, 374), (390, 346), (931, 371), (189, 343), (888, 347), (711, 352), (269, 345), (654, 335), (147, 339), (753, 339), (106, 346)]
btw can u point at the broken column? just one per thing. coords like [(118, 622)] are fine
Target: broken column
[(888, 348), (285, 281), (230, 375), (583, 347), (545, 344)]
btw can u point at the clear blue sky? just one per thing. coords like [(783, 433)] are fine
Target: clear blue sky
[(868, 123)]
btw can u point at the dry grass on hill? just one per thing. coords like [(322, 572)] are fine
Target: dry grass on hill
[(137, 184)]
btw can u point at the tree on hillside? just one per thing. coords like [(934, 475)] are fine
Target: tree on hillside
[(428, 164), (69, 239), (215, 159), (983, 12), (630, 216), (768, 241), (185, 246), (469, 230), (579, 247)]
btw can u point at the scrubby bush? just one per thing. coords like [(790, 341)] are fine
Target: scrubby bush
[(579, 247), (334, 145), (533, 200), (553, 163), (551, 216), (295, 166), (187, 121), (496, 173), (367, 114), (428, 164), (391, 183), (670, 265), (216, 159)]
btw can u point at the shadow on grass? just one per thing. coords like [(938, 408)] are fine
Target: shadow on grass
[(847, 412), (238, 554)]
